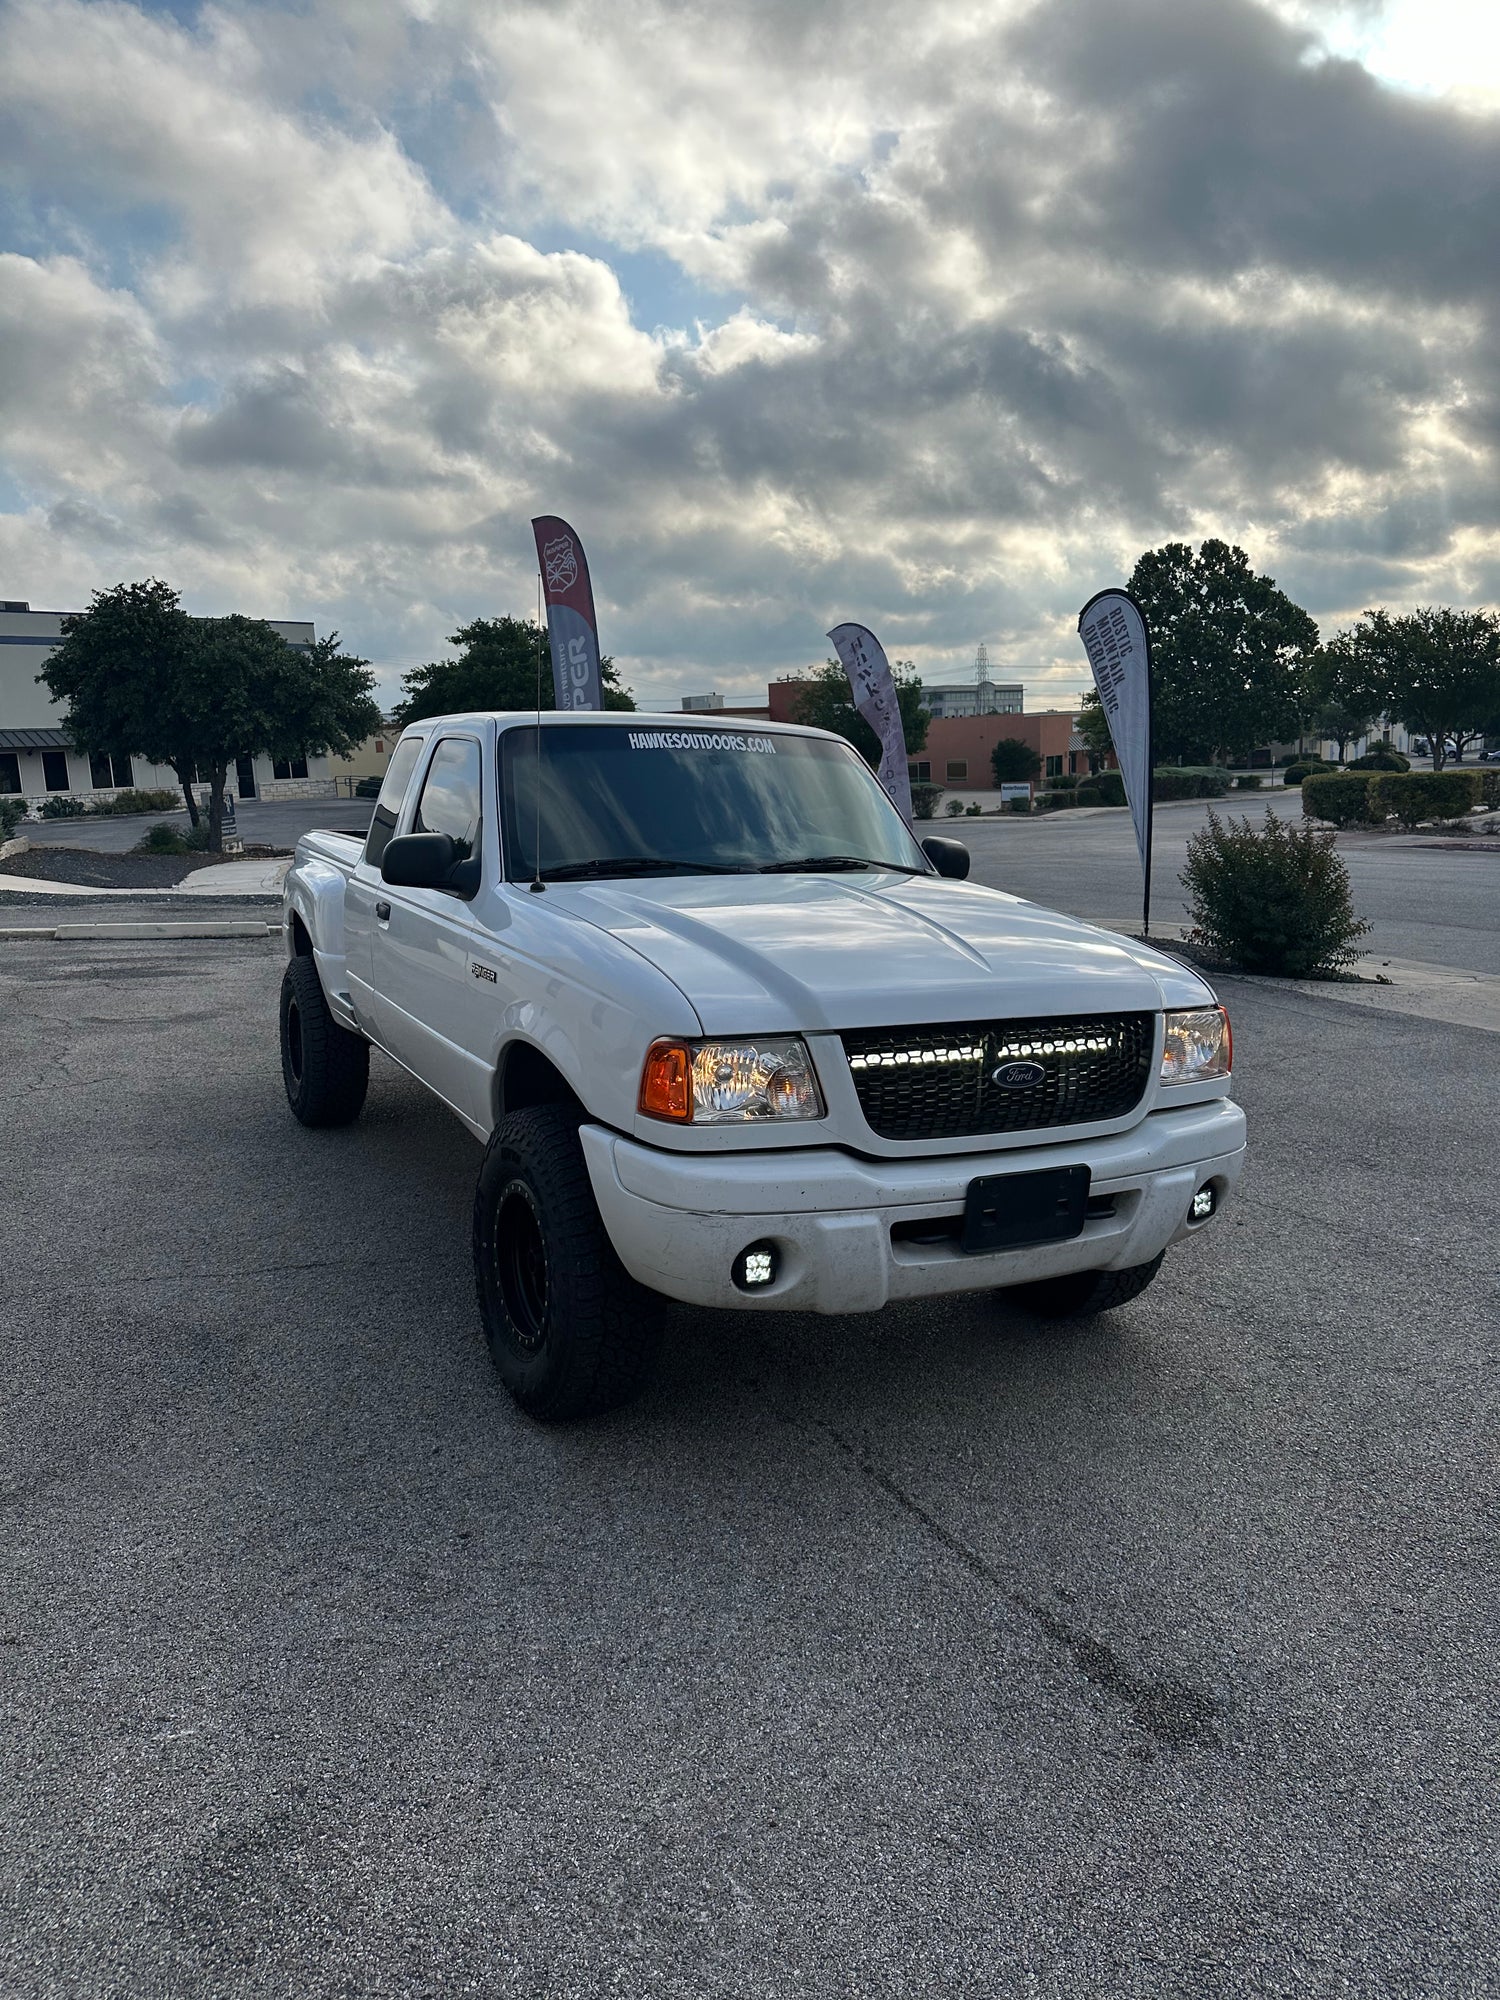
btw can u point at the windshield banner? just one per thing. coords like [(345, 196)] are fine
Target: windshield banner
[(874, 690), (1113, 630), (572, 629)]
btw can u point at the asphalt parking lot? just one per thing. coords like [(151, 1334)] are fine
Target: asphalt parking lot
[(939, 1651)]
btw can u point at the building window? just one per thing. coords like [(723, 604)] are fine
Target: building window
[(958, 770), (55, 770), (10, 771), (920, 772), (379, 746), (108, 773), (289, 767), (1054, 767)]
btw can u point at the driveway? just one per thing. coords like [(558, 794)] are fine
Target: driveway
[(278, 823), (932, 1652)]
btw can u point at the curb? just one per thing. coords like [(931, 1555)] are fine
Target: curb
[(81, 933)]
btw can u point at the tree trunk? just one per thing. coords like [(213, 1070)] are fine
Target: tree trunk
[(1437, 750), (216, 808), (187, 793)]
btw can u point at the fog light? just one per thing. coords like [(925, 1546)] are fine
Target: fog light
[(755, 1267), (1203, 1204)]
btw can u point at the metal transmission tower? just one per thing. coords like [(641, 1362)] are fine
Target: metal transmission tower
[(984, 696)]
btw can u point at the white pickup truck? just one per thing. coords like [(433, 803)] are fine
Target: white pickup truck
[(731, 1035)]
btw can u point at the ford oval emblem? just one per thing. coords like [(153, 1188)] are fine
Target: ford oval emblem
[(1018, 1075)]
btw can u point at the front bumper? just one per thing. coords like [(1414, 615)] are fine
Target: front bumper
[(678, 1220)]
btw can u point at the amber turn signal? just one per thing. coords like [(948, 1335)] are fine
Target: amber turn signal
[(666, 1082)]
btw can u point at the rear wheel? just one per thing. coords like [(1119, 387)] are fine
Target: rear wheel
[(569, 1330), (326, 1070), (1082, 1293)]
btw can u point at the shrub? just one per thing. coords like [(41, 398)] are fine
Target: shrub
[(161, 839), (954, 808), (1065, 781), (1020, 805), (1110, 787), (1275, 902), (1296, 771), (1088, 795), (924, 798), (1343, 799), (1383, 758), (137, 801), (1201, 784), (62, 805), (1413, 796), (973, 811), (1488, 788), (1248, 781), (1055, 801), (12, 812)]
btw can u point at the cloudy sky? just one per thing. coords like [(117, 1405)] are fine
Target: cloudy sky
[(932, 316)]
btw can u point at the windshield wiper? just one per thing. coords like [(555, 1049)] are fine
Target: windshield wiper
[(833, 863), (634, 864)]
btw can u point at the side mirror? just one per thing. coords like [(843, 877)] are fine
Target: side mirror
[(420, 861), (948, 857)]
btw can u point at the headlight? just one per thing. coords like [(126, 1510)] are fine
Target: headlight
[(1198, 1045), (730, 1083)]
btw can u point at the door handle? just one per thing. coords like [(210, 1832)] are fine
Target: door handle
[(383, 912)]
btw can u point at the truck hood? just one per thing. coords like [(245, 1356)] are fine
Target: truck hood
[(762, 954)]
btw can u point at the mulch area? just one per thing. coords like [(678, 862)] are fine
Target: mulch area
[(88, 870)]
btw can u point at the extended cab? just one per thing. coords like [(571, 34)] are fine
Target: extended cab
[(731, 1035)]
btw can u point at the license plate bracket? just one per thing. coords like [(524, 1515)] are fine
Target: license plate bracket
[(1011, 1211)]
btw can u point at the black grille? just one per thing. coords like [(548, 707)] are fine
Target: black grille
[(938, 1083)]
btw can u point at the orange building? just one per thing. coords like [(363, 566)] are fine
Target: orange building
[(958, 748)]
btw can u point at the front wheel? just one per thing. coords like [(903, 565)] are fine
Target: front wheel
[(326, 1070), (1081, 1294), (569, 1330)]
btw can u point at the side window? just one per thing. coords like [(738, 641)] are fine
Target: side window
[(392, 792), (451, 796)]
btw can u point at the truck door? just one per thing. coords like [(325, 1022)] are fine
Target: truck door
[(365, 888), (430, 1010)]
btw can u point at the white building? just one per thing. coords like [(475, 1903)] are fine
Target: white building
[(37, 760), (974, 698)]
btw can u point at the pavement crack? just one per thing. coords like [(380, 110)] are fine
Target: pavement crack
[(1171, 1712)]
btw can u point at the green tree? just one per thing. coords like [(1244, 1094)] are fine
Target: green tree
[(827, 703), (1343, 697), (138, 675), (1014, 762), (114, 670), (1229, 651), (1438, 670), (1093, 727), (501, 662)]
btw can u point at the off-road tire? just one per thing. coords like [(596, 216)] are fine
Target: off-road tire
[(326, 1070), (1081, 1294), (569, 1330)]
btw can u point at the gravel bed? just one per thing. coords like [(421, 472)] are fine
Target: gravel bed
[(91, 870)]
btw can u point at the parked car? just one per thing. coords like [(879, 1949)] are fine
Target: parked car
[(732, 1036)]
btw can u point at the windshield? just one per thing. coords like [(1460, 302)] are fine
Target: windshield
[(658, 800)]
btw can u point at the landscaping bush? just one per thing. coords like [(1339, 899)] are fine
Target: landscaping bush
[(1248, 781), (12, 812), (973, 810), (1341, 798), (1064, 782), (1088, 795), (1274, 902), (1297, 770), (136, 801), (1208, 782), (1055, 801), (1109, 787), (1489, 788), (1413, 796), (1384, 758), (954, 808), (1020, 806), (62, 805), (161, 839), (924, 798)]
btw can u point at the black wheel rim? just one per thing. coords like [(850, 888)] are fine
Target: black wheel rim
[(521, 1266), (294, 1041)]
